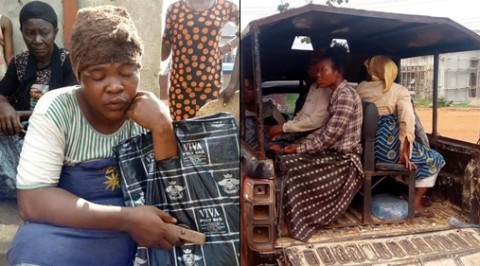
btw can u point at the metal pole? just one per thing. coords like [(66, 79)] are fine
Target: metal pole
[(436, 60), (257, 82)]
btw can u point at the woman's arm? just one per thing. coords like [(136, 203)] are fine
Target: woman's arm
[(406, 118), (338, 120), (167, 34), (41, 201), (313, 113), (7, 30), (9, 118), (405, 156), (52, 205)]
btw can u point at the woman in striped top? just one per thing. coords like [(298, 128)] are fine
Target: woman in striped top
[(68, 182)]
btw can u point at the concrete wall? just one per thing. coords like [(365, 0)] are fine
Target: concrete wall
[(147, 15)]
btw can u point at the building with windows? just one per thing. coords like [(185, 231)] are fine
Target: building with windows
[(458, 80)]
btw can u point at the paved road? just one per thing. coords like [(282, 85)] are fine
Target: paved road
[(9, 222)]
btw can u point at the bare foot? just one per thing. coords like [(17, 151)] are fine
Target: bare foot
[(275, 147), (285, 231)]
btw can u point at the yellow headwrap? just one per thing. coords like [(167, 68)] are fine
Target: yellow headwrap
[(383, 68)]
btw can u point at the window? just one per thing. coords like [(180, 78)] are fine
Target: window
[(472, 92), (473, 80), (340, 41), (302, 43), (473, 63)]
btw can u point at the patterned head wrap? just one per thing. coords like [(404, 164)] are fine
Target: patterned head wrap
[(103, 35), (383, 68), (37, 9)]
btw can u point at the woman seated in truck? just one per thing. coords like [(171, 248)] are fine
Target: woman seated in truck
[(312, 114), (324, 170), (395, 140), (271, 116)]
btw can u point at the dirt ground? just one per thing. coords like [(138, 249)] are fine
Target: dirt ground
[(9, 222), (456, 123)]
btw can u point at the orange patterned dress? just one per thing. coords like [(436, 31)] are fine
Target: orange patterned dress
[(195, 78)]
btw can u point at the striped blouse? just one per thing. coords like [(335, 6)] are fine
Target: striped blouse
[(59, 134)]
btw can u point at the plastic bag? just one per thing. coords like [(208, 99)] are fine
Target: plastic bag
[(10, 147), (200, 188), (389, 207)]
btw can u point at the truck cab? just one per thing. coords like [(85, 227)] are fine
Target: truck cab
[(279, 69)]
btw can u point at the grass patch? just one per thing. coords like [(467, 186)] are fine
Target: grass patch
[(422, 103), (462, 105)]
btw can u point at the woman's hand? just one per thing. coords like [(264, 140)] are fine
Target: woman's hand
[(148, 226), (404, 157), (290, 149), (9, 120), (275, 132), (408, 164), (150, 112)]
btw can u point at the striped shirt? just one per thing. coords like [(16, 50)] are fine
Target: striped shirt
[(59, 134), (342, 130)]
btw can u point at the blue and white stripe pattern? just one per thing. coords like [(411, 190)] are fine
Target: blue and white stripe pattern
[(387, 148)]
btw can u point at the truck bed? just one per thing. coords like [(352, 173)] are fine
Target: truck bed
[(421, 241)]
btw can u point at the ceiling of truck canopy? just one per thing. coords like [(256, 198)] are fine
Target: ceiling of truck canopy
[(367, 33)]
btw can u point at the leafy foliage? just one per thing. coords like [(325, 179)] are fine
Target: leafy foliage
[(333, 2), (283, 7)]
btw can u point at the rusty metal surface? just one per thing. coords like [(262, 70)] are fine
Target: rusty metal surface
[(423, 241), (386, 33), (445, 247)]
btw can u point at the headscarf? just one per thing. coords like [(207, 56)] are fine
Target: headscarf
[(383, 68), (37, 9), (102, 35)]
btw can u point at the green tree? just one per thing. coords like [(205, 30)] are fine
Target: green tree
[(333, 2)]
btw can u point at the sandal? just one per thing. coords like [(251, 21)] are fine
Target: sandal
[(424, 213)]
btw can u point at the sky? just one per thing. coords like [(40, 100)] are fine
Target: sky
[(461, 11)]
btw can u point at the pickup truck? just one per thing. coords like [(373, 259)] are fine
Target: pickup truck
[(451, 237)]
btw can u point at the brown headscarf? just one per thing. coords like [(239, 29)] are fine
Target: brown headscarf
[(383, 68), (102, 35)]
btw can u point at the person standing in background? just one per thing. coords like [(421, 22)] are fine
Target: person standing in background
[(192, 35), (6, 43)]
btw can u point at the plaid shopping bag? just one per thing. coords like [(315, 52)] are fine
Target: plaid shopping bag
[(200, 188)]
